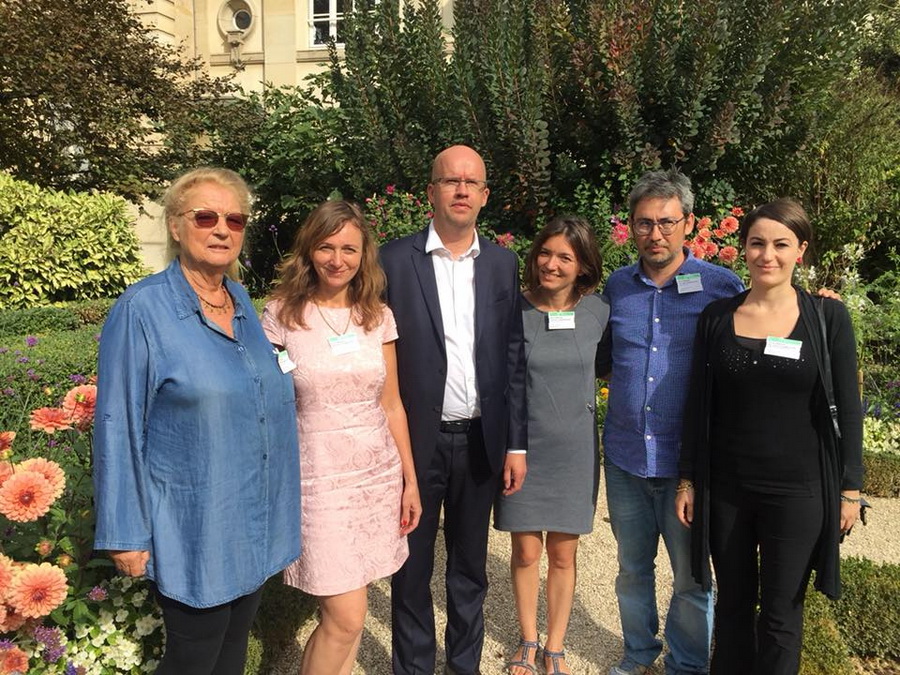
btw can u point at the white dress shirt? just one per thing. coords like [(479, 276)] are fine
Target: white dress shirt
[(455, 278)]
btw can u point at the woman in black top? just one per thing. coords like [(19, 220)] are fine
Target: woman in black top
[(766, 485)]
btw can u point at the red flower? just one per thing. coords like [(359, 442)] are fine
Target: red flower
[(711, 249), (705, 221), (50, 420), (729, 224), (390, 189), (719, 232), (704, 234), (697, 248), (728, 254), (505, 239), (79, 405), (25, 496), (737, 211), (37, 590)]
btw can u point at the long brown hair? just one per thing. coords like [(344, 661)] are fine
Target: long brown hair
[(298, 280)]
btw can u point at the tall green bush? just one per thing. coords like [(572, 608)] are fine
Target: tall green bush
[(58, 246)]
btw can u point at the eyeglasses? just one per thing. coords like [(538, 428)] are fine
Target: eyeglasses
[(207, 219), (645, 226), (456, 183)]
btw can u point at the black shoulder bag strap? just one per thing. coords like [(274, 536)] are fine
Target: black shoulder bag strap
[(826, 369)]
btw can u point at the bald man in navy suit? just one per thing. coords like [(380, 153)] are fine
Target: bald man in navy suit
[(461, 364)]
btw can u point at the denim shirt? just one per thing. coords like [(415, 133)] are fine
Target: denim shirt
[(195, 445), (652, 342)]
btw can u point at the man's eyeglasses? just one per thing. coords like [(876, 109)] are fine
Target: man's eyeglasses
[(207, 219), (645, 226), (456, 183)]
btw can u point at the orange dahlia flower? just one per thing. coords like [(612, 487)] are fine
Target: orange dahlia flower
[(12, 620), (37, 590), (48, 469), (50, 420), (79, 405), (6, 440), (13, 660), (25, 496), (6, 575), (6, 470)]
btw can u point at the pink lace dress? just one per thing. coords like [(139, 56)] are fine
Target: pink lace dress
[(350, 475)]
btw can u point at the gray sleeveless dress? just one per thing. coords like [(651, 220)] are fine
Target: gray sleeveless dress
[(560, 489)]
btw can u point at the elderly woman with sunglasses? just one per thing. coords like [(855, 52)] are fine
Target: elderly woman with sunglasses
[(196, 462)]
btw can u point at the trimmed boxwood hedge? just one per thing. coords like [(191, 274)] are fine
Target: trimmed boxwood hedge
[(882, 477)]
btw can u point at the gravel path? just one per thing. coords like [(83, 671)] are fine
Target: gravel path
[(594, 640)]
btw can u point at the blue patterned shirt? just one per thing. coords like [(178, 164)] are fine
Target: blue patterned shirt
[(650, 349), (195, 445)]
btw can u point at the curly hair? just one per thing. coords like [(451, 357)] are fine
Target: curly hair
[(580, 237), (298, 280), (174, 198)]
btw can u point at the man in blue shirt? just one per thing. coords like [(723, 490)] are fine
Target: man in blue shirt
[(655, 304)]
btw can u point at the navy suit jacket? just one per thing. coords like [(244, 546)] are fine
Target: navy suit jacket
[(421, 355)]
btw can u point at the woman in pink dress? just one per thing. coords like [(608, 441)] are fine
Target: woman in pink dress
[(357, 481)]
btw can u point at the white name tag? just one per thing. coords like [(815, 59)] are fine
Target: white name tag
[(689, 283), (561, 320), (343, 344), (786, 349), (284, 362)]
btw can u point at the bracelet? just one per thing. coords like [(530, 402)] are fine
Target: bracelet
[(684, 485), (851, 500)]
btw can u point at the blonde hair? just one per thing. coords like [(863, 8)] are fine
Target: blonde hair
[(298, 280), (174, 198)]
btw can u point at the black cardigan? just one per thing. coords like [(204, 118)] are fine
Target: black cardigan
[(840, 459)]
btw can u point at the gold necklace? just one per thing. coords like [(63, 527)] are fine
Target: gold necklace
[(216, 309), (328, 323)]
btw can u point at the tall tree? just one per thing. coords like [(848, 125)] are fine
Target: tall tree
[(89, 99)]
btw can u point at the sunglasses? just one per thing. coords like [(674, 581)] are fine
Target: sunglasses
[(207, 219)]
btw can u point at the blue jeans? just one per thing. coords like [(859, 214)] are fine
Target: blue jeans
[(640, 510)]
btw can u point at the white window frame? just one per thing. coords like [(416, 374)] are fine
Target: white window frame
[(333, 17)]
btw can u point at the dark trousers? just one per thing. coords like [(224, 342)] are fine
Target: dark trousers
[(460, 479), (762, 548), (210, 641)]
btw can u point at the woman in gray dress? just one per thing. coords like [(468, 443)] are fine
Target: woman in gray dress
[(564, 322)]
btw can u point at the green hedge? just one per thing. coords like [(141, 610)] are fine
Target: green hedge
[(40, 320), (882, 477), (58, 246)]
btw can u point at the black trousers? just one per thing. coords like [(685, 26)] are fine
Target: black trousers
[(460, 479), (762, 548), (211, 641)]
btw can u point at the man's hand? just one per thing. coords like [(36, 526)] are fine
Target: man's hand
[(514, 470), (131, 563), (828, 293), (684, 506)]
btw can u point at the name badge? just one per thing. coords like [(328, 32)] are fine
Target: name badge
[(786, 349), (561, 320), (343, 344), (689, 283), (284, 362)]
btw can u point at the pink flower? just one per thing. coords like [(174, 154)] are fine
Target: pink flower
[(505, 239), (390, 189), (620, 234), (50, 420), (697, 248), (25, 496), (705, 221), (729, 224), (48, 469), (37, 590), (704, 234), (720, 233), (6, 440), (728, 254), (737, 211), (711, 249)]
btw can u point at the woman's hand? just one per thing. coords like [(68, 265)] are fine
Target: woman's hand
[(849, 510), (410, 507), (131, 563), (684, 503)]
